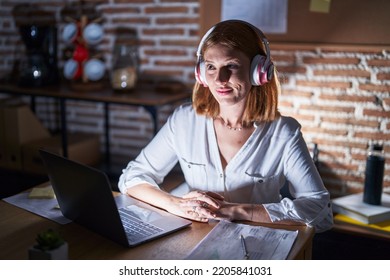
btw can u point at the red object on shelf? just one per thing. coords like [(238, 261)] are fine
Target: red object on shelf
[(80, 53)]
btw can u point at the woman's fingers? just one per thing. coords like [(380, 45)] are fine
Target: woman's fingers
[(197, 208), (201, 206), (199, 214), (215, 195), (204, 199), (197, 217), (193, 194), (196, 204)]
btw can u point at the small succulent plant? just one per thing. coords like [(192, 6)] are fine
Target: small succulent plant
[(49, 240)]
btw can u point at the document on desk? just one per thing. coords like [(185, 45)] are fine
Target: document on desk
[(224, 242), (47, 208)]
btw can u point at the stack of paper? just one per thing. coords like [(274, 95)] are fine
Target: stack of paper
[(354, 207), (261, 243), (42, 192)]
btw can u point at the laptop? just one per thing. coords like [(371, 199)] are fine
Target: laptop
[(85, 196)]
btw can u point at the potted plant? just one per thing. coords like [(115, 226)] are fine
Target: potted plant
[(50, 246)]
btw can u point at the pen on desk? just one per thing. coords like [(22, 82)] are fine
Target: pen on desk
[(244, 249)]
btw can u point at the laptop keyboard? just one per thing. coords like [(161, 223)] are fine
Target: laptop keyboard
[(136, 228)]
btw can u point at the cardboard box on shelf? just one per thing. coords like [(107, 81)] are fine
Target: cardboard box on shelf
[(84, 148), (18, 125)]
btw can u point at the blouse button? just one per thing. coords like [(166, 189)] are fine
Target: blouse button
[(221, 175), (189, 166)]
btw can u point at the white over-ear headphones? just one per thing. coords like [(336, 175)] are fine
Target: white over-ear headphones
[(262, 68)]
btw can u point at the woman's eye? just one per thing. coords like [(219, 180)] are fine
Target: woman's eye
[(233, 66), (210, 67)]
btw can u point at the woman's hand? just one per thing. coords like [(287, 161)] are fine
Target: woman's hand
[(196, 205), (241, 212), (200, 206)]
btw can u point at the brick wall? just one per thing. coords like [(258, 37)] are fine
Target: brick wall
[(340, 94), (341, 97)]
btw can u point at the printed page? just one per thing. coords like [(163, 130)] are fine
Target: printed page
[(47, 208), (262, 243)]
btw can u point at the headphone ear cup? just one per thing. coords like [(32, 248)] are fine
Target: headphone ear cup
[(200, 73), (270, 71), (260, 73)]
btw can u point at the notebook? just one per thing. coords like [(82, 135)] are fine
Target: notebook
[(85, 196)]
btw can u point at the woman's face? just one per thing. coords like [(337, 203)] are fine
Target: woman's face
[(227, 74)]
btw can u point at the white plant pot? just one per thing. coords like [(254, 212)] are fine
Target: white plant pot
[(61, 253)]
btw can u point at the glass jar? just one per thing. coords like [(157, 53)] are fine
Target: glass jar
[(125, 67)]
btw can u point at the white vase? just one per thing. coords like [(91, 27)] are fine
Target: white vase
[(61, 253)]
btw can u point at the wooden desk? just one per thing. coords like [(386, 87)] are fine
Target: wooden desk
[(149, 97), (18, 229)]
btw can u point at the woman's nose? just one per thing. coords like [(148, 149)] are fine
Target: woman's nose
[(222, 76)]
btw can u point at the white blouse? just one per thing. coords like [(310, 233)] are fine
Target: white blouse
[(274, 153)]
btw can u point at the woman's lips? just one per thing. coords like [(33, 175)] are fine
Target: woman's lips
[(224, 91)]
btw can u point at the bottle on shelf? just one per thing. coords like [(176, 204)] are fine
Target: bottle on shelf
[(375, 167)]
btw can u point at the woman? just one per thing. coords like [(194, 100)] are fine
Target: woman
[(235, 149)]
